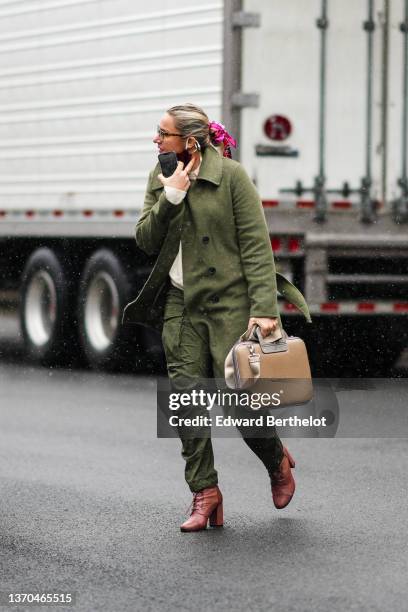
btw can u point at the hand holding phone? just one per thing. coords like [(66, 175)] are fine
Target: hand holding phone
[(168, 163), (179, 177)]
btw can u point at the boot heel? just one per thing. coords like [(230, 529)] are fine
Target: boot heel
[(290, 458), (217, 516)]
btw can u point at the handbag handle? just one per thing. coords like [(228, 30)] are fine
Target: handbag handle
[(274, 343), (254, 333)]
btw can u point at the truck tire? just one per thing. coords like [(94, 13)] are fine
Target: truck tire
[(45, 308), (105, 288)]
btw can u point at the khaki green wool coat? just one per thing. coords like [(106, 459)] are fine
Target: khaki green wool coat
[(228, 266)]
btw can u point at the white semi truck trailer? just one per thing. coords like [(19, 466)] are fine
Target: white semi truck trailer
[(316, 93)]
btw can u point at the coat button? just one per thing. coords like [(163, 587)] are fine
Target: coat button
[(215, 299), (211, 271), (206, 239)]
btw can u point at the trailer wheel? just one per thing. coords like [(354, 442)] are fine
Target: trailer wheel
[(44, 307), (104, 291)]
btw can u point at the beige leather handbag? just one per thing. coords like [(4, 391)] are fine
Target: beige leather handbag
[(275, 364)]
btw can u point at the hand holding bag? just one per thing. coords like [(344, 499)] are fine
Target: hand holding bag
[(275, 364)]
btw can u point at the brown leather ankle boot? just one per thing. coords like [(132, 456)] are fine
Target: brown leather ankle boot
[(207, 504), (282, 481)]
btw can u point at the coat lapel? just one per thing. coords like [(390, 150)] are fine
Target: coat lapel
[(148, 298), (211, 166)]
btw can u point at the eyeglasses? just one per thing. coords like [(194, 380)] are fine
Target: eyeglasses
[(162, 134)]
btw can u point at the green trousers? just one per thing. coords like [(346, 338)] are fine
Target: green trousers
[(192, 356)]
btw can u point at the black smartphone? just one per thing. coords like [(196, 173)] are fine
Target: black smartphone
[(168, 162)]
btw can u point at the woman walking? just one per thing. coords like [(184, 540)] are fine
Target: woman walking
[(213, 278)]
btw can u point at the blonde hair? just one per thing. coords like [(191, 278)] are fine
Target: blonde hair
[(191, 120)]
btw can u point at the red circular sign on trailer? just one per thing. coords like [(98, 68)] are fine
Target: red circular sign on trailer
[(277, 127)]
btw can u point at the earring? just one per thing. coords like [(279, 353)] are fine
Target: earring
[(197, 146)]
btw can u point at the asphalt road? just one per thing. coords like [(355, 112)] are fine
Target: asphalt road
[(91, 504)]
